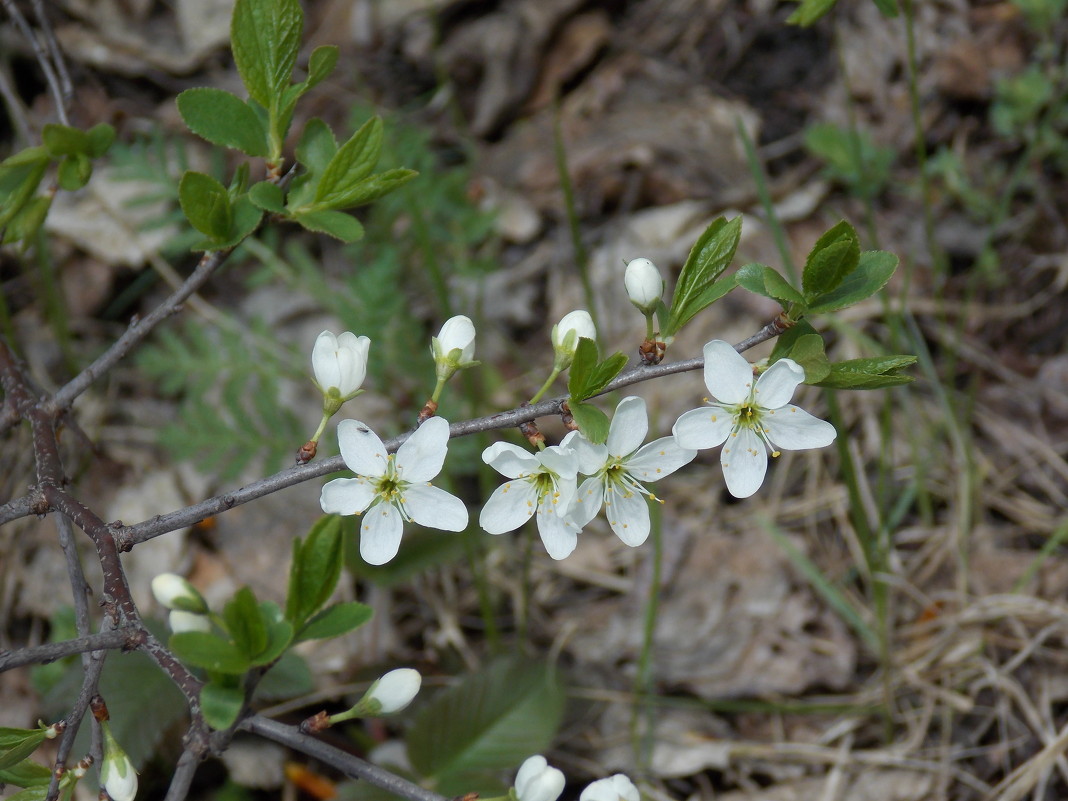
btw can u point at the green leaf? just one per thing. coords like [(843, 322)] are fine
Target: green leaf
[(834, 256), (265, 36), (315, 569), (279, 634), (75, 172), (289, 677), (18, 184), (206, 204), (420, 550), (808, 351), (888, 8), (317, 146), (246, 627), (17, 744), (62, 140), (24, 225), (337, 224), (322, 62), (223, 119), (209, 651), (763, 280), (26, 774), (591, 421), (101, 136), (30, 794), (875, 373), (370, 189), (246, 218), (710, 256), (267, 196), (220, 704), (587, 376), (491, 720), (809, 12), (874, 270), (335, 620), (353, 162)]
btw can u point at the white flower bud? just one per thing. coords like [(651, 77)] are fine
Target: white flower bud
[(614, 788), (174, 592), (566, 334), (536, 781), (340, 364), (117, 774), (454, 346), (395, 690), (644, 284), (180, 620)]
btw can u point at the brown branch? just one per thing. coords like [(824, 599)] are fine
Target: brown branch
[(124, 638), (43, 58)]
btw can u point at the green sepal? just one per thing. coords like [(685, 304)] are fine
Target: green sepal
[(221, 704), (873, 271), (337, 224), (876, 373), (834, 256), (315, 569), (335, 620), (768, 282), (26, 773), (74, 171), (697, 287), (206, 204), (246, 627), (592, 422), (224, 119), (265, 38), (268, 196), (17, 744), (209, 651)]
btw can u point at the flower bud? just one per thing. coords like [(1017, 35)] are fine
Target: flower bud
[(174, 592), (340, 365), (566, 334), (180, 620), (454, 346), (394, 691), (644, 284), (536, 781), (117, 774), (614, 788)]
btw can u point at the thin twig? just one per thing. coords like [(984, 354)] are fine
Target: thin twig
[(66, 88), (16, 509), (43, 654), (16, 110), (183, 776), (43, 57)]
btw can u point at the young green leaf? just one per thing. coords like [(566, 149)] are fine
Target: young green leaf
[(74, 172), (809, 12), (582, 365), (317, 146), (873, 271), (100, 136), (337, 224), (279, 634), (267, 196), (246, 627), (223, 119), (710, 256), (322, 62), (808, 351), (591, 421), (63, 140), (265, 36), (29, 219), (371, 188), (335, 620), (221, 704), (832, 258), (315, 569), (17, 744), (875, 373), (352, 163), (206, 204), (245, 219), (763, 280), (26, 774), (209, 651), (19, 181)]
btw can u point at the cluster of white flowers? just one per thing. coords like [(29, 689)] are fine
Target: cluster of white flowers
[(748, 416)]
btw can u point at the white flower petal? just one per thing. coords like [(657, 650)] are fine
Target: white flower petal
[(589, 457), (659, 458), (433, 507), (728, 375), (362, 450), (458, 332), (324, 361), (380, 534), (629, 426), (614, 788), (776, 385), (628, 515), (558, 534), (510, 460), (346, 496), (352, 361), (536, 781), (564, 494), (587, 502), (396, 689), (510, 506), (794, 429), (745, 461), (703, 428), (560, 461), (421, 456)]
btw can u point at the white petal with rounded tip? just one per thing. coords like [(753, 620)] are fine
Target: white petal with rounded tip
[(561, 461), (435, 508), (587, 501), (351, 361), (614, 788), (578, 321), (510, 460), (703, 428), (629, 426), (794, 429), (589, 457), (776, 385), (458, 332), (628, 515), (362, 450), (324, 361), (558, 534), (728, 375), (346, 496), (380, 534), (510, 506), (421, 456), (745, 461), (659, 458)]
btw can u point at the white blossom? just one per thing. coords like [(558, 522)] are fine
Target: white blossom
[(395, 690), (117, 774), (340, 363), (614, 788), (392, 488), (747, 415), (454, 346), (566, 334), (544, 484), (174, 592), (644, 284), (537, 781), (180, 620), (619, 470)]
